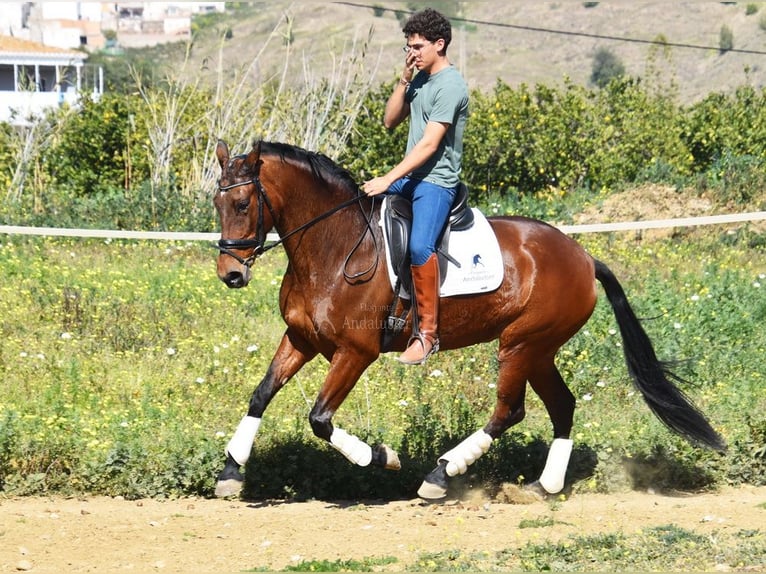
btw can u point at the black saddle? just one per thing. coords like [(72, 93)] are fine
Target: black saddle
[(398, 222)]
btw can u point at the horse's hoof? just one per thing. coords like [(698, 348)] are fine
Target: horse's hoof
[(435, 484), (431, 491), (383, 455), (392, 459), (537, 489), (228, 487)]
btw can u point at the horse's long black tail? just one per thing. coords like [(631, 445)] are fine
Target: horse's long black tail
[(650, 375)]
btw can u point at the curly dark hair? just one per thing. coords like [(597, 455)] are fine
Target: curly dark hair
[(430, 24)]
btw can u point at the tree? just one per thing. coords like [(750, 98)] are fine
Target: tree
[(606, 66)]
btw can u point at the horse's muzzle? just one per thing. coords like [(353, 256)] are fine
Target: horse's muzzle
[(237, 279)]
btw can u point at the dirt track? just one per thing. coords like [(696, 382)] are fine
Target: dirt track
[(193, 535)]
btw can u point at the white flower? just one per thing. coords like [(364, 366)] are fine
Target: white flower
[(695, 297), (66, 335), (756, 284), (220, 434), (252, 348), (402, 403), (435, 373), (587, 397), (124, 424), (612, 331), (601, 384), (199, 380), (170, 351), (676, 325)]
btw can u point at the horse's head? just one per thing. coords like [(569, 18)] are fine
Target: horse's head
[(244, 212)]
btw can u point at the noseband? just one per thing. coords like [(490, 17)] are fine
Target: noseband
[(258, 244)]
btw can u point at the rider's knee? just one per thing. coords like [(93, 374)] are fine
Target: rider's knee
[(419, 255)]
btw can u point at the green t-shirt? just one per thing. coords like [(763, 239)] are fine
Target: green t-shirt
[(440, 97)]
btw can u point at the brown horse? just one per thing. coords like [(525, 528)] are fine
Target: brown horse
[(337, 276)]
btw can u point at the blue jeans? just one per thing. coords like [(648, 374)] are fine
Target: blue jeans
[(431, 205)]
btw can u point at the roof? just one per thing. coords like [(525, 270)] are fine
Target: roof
[(16, 48)]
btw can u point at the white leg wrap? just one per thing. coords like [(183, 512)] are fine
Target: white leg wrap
[(241, 443), (351, 447), (552, 478), (459, 458)]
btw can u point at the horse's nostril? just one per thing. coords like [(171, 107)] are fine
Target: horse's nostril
[(234, 280)]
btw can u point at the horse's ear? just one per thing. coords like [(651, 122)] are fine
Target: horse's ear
[(222, 153), (254, 155)]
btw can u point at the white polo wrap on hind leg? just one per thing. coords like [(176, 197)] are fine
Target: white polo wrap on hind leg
[(552, 478), (241, 443), (465, 454), (354, 449)]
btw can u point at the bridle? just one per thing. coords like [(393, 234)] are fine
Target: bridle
[(258, 243)]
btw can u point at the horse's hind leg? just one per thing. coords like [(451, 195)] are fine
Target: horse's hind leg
[(559, 401), (287, 361), (509, 410)]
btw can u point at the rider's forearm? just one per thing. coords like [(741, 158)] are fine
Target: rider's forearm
[(397, 109)]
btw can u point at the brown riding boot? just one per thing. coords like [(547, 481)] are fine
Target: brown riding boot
[(425, 290)]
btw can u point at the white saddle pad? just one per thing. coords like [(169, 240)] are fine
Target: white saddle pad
[(477, 251)]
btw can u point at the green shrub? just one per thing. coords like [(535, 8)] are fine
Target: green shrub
[(606, 67), (98, 148), (725, 39)]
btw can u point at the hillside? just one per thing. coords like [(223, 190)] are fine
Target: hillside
[(492, 44)]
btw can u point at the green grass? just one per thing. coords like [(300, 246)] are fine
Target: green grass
[(127, 365), (665, 548)]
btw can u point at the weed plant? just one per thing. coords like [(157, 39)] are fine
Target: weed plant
[(127, 365)]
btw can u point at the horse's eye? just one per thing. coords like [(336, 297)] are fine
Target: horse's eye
[(243, 205)]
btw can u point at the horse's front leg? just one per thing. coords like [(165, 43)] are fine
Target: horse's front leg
[(291, 355), (345, 370)]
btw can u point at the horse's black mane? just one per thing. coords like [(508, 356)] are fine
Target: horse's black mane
[(321, 166)]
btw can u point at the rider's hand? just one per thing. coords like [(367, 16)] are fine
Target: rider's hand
[(409, 67), (376, 186)]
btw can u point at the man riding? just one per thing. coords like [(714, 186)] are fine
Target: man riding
[(436, 102)]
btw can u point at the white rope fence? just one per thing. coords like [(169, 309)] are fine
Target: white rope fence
[(568, 229)]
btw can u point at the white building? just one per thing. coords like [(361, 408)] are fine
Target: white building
[(34, 77), (40, 65), (82, 24)]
